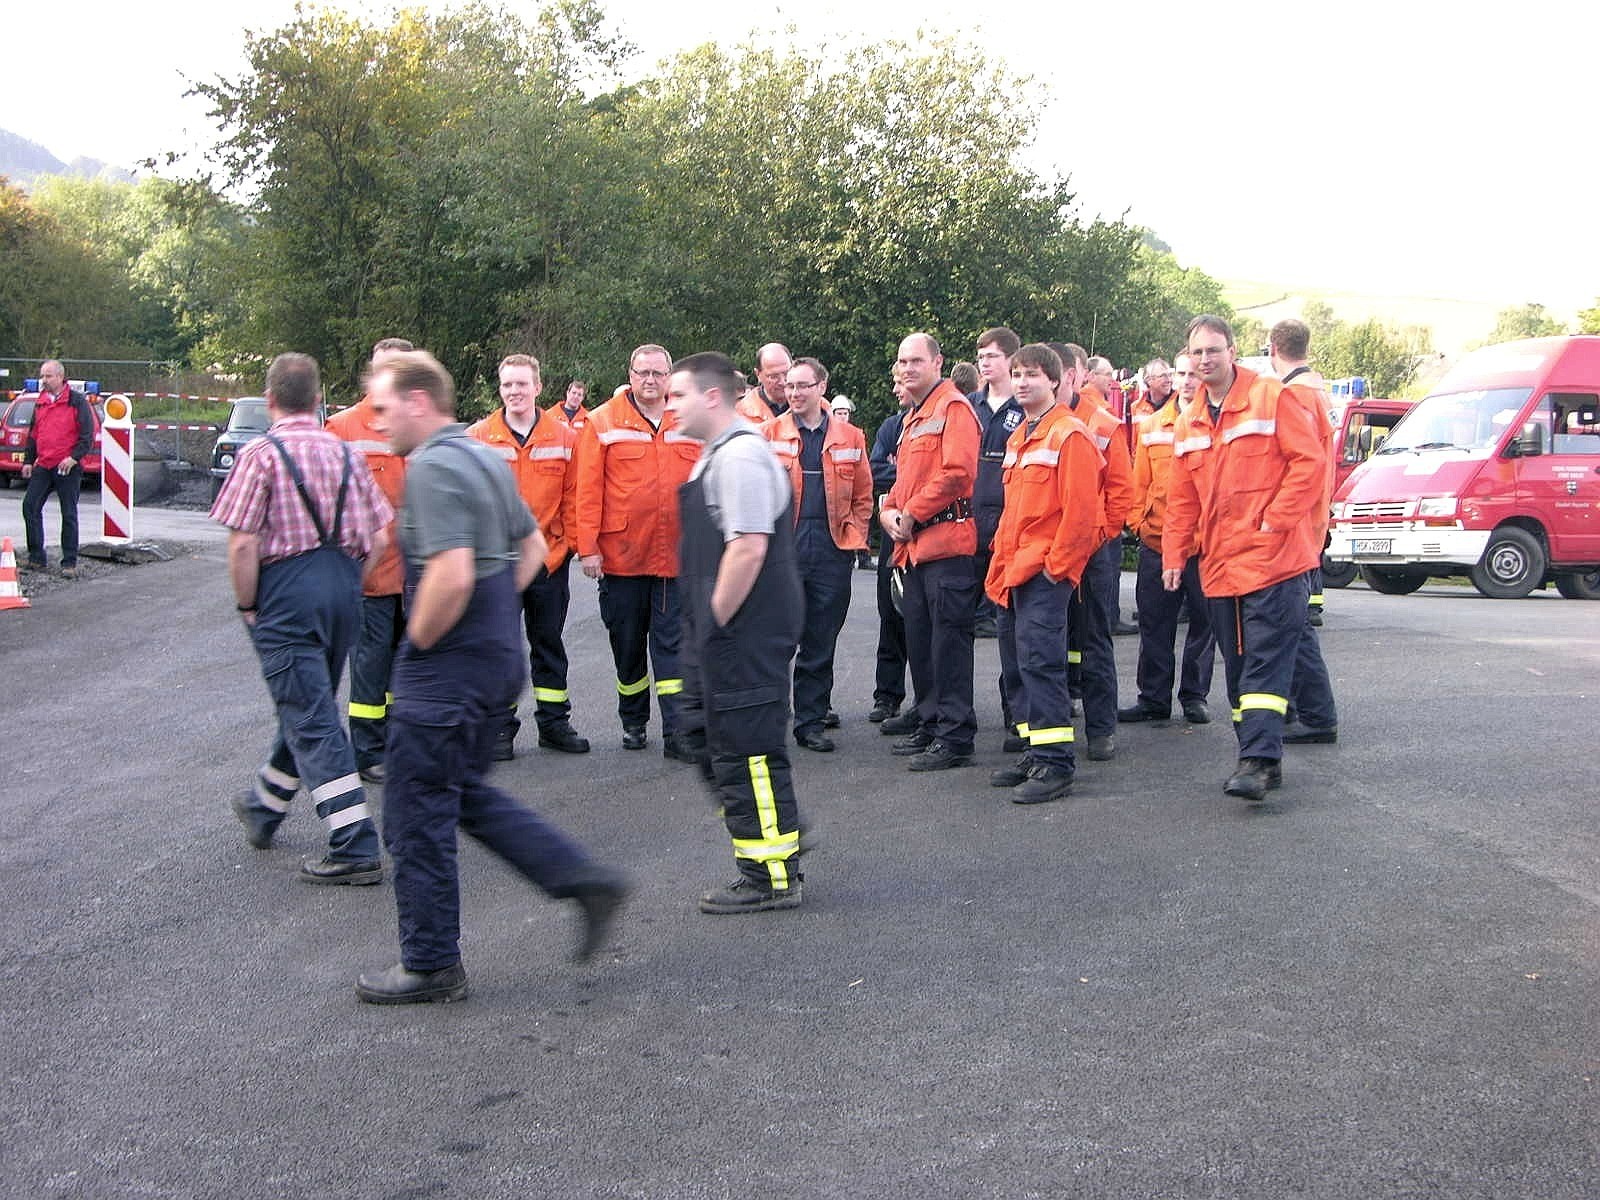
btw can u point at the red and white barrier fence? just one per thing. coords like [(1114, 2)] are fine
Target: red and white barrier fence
[(116, 470)]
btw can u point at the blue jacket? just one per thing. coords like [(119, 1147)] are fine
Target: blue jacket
[(989, 493), (884, 446)]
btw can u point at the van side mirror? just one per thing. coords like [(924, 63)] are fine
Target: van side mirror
[(1529, 443), (1364, 446)]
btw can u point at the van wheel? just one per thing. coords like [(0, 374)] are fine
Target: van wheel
[(1579, 586), (1393, 581), (1338, 574), (1512, 564)]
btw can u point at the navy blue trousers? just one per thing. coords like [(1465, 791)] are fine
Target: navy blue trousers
[(442, 726), (382, 623), (308, 608), (642, 619), (1311, 692), (1091, 619), (1259, 635), (1158, 632), (939, 614), (1033, 664), (41, 483), (544, 619), (889, 687), (825, 576)]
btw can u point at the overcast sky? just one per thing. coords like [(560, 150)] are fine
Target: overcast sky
[(1398, 147)]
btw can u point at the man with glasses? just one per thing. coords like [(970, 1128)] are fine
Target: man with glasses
[(826, 460), (1248, 467), (771, 399), (1157, 388), (631, 461), (1158, 608)]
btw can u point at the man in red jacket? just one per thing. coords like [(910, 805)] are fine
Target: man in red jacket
[(61, 434), (928, 514)]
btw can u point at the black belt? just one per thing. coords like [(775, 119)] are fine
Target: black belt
[(960, 510)]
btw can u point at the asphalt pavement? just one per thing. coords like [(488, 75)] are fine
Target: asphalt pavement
[(1384, 983)]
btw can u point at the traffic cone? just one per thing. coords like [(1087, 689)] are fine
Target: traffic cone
[(10, 594)]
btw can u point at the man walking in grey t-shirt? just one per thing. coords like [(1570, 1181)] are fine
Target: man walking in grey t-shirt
[(471, 546)]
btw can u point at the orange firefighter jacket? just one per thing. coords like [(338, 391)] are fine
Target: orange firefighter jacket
[(1152, 465), (628, 479), (387, 576), (1051, 520), (846, 475), (1116, 489), (577, 420), (936, 464), (1262, 462), (546, 473), (753, 407)]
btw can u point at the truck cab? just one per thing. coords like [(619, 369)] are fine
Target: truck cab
[(1495, 474)]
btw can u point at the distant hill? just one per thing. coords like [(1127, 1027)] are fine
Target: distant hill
[(1455, 324), (22, 161)]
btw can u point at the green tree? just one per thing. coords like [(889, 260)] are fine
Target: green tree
[(1524, 321), (1589, 319)]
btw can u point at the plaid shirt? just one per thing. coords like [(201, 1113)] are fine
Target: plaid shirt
[(260, 496)]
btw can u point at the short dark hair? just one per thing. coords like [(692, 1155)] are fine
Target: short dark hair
[(1002, 337), (711, 369), (816, 366), (1209, 321), (419, 371), (1290, 338), (966, 378), (392, 344), (294, 382), (1080, 356), (1039, 354)]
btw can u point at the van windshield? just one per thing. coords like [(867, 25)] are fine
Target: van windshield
[(1457, 421)]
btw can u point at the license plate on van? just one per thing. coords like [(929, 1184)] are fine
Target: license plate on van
[(1372, 545)]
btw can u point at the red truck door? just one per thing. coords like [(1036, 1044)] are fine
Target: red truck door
[(1561, 486)]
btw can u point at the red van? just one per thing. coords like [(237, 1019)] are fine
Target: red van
[(1361, 426), (1496, 474)]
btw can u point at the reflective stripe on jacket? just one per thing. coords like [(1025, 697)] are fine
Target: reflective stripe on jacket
[(936, 466), (1116, 484), (546, 473), (846, 476), (628, 480), (1051, 520), (1152, 465), (1262, 463), (354, 425)]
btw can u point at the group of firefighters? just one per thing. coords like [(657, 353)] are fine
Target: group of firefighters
[(729, 586), (1009, 503)]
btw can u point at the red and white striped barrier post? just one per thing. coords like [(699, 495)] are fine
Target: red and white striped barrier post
[(116, 470)]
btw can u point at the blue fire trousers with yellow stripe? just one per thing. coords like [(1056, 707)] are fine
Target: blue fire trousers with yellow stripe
[(372, 659), (641, 615), (544, 618), (1091, 654), (308, 608), (1259, 635), (1033, 664)]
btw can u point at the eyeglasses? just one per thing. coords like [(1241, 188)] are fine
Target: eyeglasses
[(1207, 351), (649, 374), (801, 386)]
